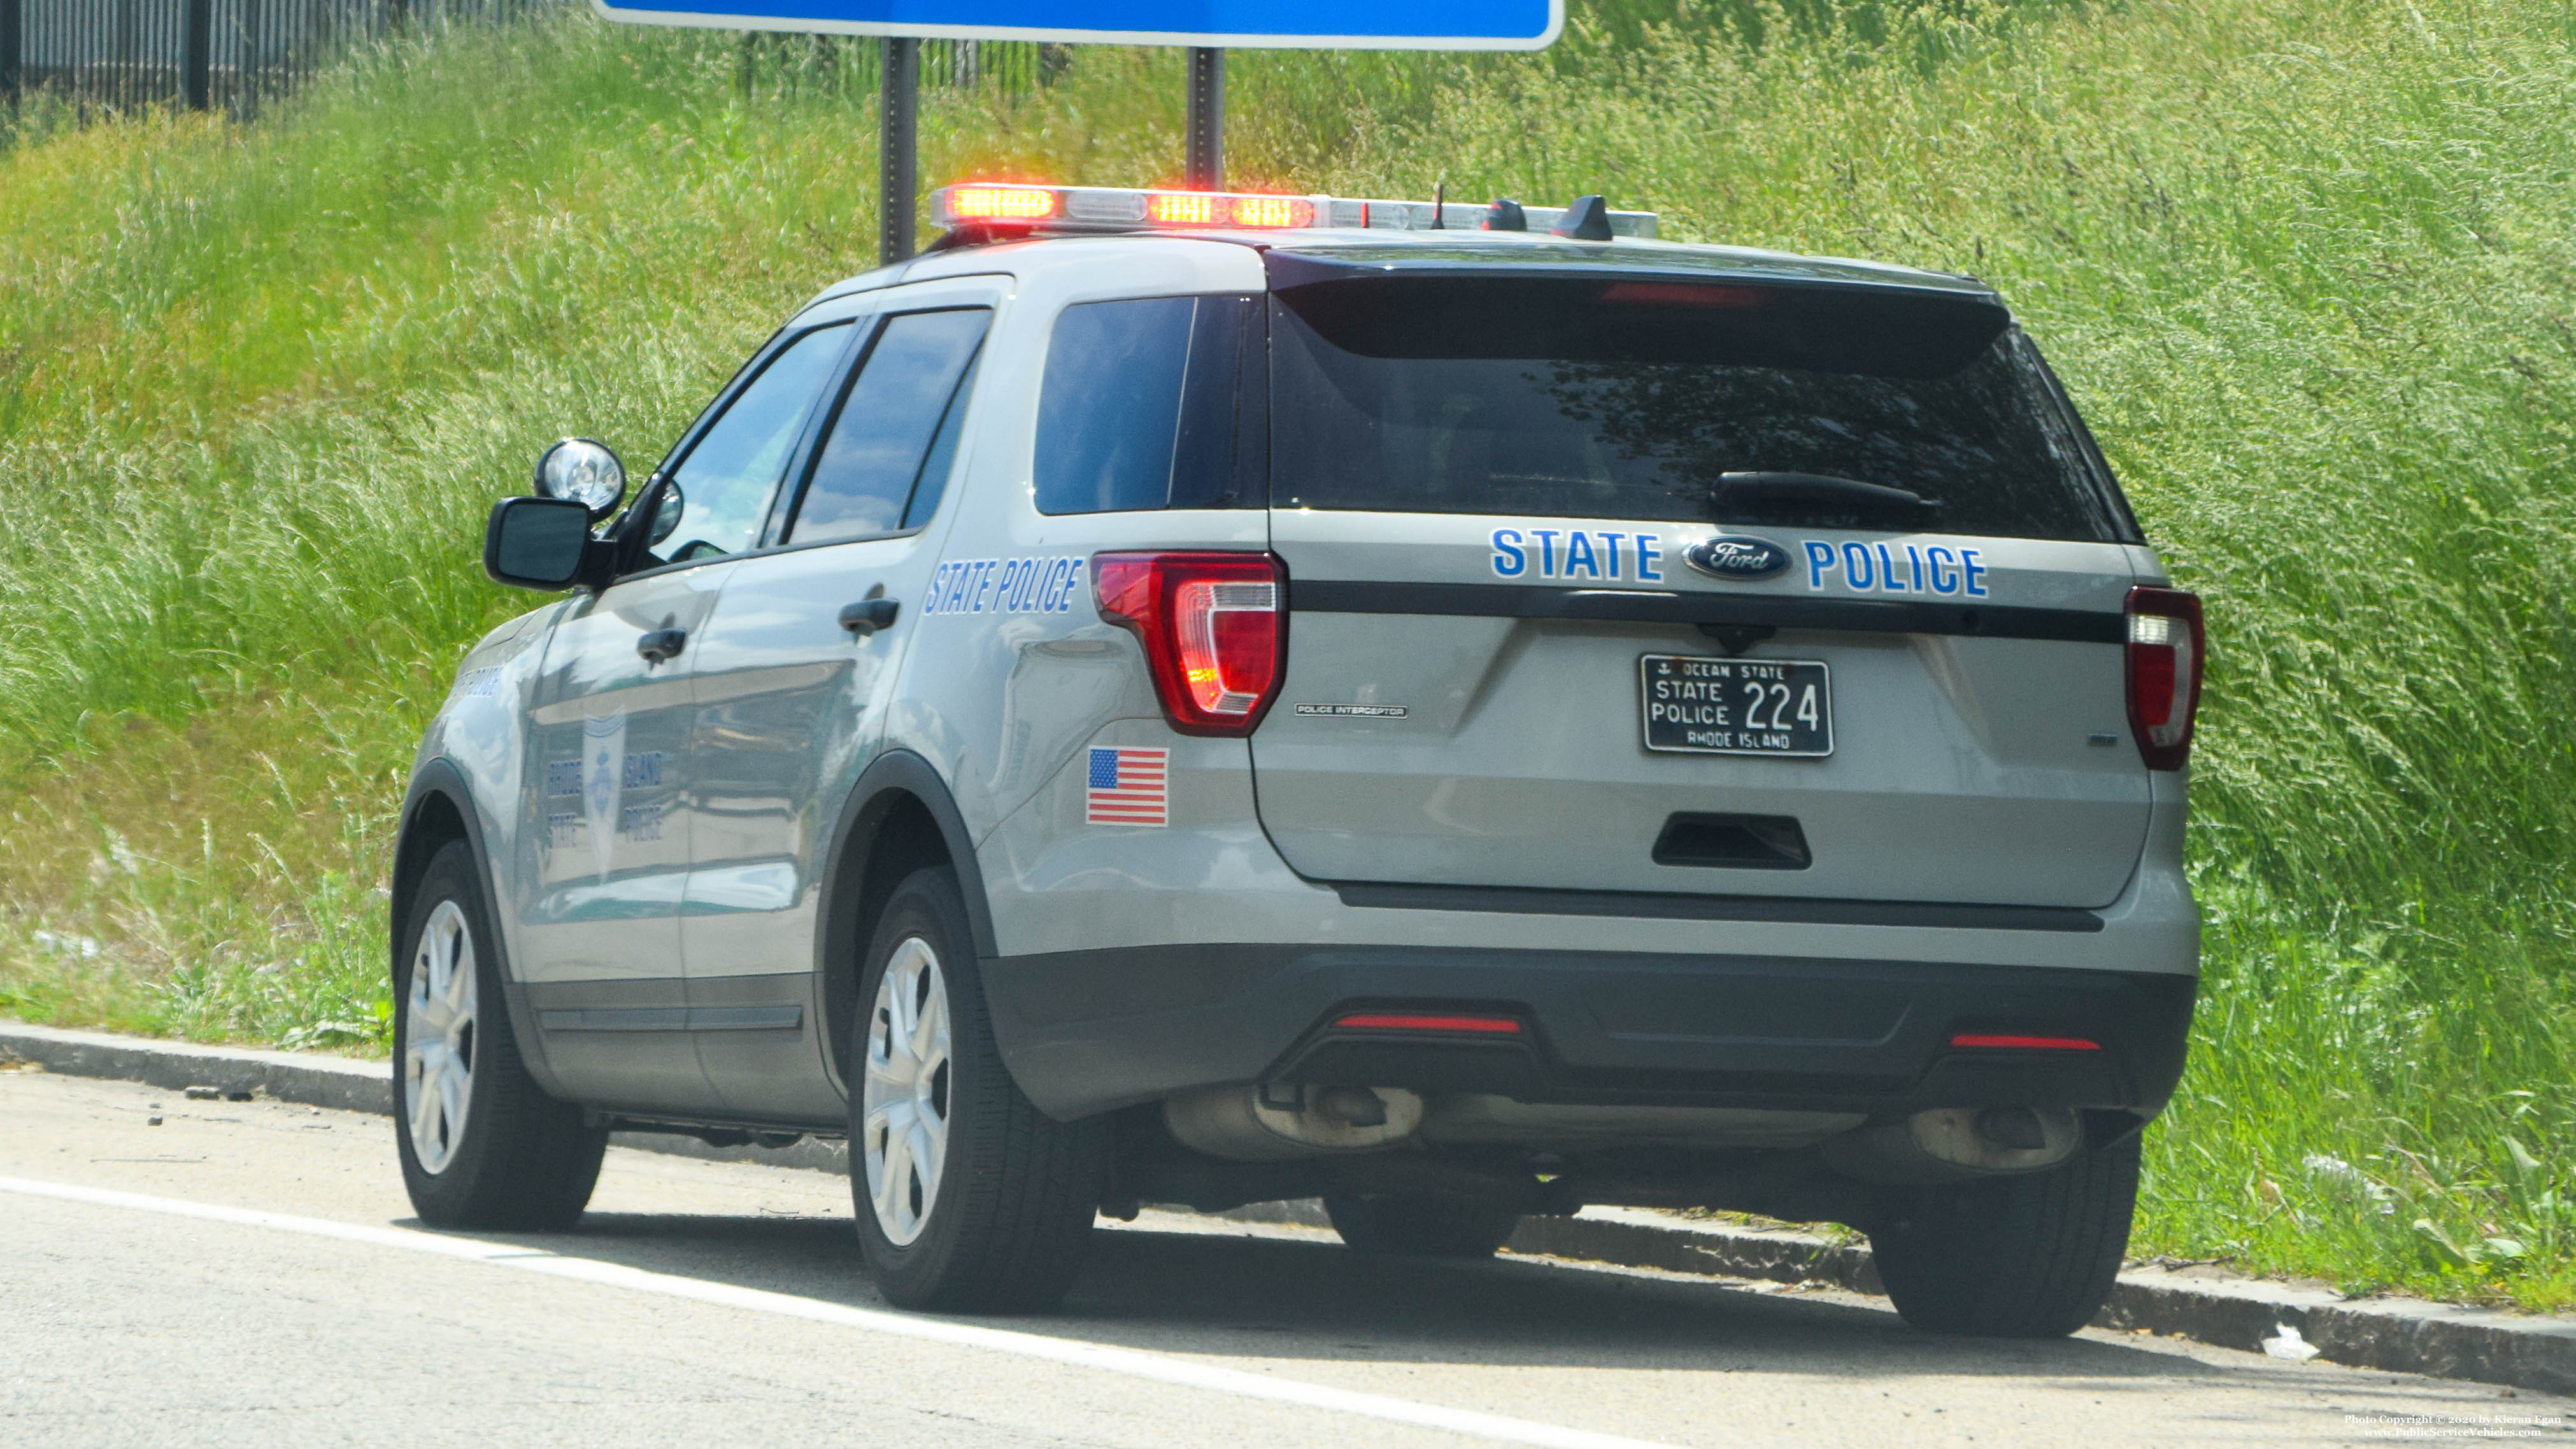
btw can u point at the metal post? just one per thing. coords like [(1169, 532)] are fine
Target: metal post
[(13, 27), (898, 148), (1207, 118), (197, 58)]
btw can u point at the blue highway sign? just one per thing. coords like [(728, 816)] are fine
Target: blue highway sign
[(1248, 24)]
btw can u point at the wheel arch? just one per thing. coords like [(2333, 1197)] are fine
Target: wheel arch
[(439, 811), (898, 818)]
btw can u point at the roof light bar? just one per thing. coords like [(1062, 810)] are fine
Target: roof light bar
[(1061, 209)]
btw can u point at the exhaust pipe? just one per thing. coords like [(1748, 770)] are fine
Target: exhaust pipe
[(1947, 1144), (1280, 1121)]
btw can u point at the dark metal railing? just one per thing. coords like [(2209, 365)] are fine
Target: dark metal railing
[(239, 54), (857, 63)]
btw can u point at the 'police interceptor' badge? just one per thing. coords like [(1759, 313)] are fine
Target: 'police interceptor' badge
[(1699, 705)]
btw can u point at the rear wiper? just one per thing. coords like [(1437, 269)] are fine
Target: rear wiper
[(1825, 488)]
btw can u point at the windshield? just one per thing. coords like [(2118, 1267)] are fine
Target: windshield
[(1663, 400)]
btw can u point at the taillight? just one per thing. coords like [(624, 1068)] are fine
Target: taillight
[(1213, 626), (2165, 649)]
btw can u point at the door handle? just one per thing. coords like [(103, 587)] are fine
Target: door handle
[(868, 616), (662, 645)]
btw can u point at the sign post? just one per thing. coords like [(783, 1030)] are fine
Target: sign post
[(12, 30), (898, 147), (1207, 27), (1207, 119)]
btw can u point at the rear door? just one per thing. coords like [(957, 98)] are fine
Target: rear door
[(791, 702), (1686, 586)]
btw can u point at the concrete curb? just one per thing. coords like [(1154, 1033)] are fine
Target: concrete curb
[(2399, 1335), (314, 1080), (307, 1077)]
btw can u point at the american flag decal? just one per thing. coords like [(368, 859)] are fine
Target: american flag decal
[(1127, 787)]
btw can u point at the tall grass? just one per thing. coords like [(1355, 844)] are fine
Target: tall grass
[(2306, 264)]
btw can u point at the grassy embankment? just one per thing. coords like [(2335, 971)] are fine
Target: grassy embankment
[(2307, 264)]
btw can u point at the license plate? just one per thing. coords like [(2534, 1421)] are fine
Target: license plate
[(1699, 705)]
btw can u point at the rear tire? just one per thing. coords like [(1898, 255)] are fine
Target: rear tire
[(1418, 1227), (2012, 1257), (968, 1197), (482, 1145)]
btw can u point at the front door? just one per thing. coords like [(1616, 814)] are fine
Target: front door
[(610, 805), (791, 699), (600, 936)]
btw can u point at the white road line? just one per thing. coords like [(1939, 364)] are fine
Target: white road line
[(1133, 1363)]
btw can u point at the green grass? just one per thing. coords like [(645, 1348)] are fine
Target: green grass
[(2308, 265)]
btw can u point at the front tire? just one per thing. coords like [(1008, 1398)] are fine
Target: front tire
[(1418, 1227), (482, 1145), (968, 1197), (2012, 1257)]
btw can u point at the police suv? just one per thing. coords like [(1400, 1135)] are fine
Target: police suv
[(1463, 712)]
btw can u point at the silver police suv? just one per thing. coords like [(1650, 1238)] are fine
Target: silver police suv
[(1462, 712)]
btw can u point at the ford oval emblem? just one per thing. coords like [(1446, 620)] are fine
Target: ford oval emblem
[(1735, 556)]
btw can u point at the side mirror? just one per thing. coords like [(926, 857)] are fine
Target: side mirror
[(537, 543), (581, 471), (668, 506)]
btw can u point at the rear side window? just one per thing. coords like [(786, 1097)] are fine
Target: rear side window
[(874, 473), (1145, 406), (1723, 404)]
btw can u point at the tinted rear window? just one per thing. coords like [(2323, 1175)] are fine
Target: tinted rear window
[(1725, 404), (1142, 407)]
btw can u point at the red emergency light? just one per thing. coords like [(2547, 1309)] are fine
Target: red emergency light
[(999, 203), (1200, 208)]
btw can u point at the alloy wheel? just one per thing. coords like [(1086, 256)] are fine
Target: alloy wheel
[(904, 1098), (438, 1037)]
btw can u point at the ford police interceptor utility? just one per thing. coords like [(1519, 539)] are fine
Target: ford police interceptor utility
[(1464, 712)]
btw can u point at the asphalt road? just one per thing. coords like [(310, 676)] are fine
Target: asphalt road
[(249, 1273)]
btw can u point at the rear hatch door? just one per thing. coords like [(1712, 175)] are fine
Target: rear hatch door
[(1802, 589)]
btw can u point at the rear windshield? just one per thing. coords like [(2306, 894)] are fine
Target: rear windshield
[(1648, 399)]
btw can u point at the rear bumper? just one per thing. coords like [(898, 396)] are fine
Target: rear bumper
[(1088, 1031)]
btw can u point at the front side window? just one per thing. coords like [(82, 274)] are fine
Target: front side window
[(882, 465), (730, 478), (1142, 406)]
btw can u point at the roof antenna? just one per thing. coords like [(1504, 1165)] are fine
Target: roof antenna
[(1588, 219), (1439, 205), (1506, 215)]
